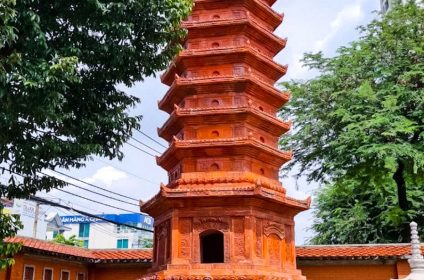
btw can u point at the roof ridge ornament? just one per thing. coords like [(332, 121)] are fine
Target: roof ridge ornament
[(416, 260)]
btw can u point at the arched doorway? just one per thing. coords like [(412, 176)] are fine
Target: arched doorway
[(212, 246)]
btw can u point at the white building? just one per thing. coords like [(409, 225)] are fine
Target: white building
[(98, 234), (31, 214)]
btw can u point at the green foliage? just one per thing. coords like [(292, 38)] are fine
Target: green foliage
[(72, 240), (145, 242), (60, 64), (9, 224), (359, 129)]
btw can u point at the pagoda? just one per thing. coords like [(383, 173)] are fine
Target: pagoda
[(223, 213)]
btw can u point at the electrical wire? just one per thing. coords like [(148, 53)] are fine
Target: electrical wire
[(151, 138), (128, 172), (95, 201), (94, 186), (76, 195), (45, 201), (138, 148), (145, 145)]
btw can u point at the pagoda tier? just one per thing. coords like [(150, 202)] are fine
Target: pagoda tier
[(229, 90), (260, 10), (210, 148), (229, 58), (243, 29), (244, 113), (224, 214)]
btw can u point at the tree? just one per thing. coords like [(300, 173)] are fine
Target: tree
[(359, 130), (60, 64), (72, 240)]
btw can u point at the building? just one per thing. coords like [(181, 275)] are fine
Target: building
[(223, 211), (44, 260), (31, 215), (100, 234)]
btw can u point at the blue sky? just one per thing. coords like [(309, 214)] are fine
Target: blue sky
[(309, 25)]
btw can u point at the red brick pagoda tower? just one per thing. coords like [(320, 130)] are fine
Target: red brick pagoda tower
[(223, 213)]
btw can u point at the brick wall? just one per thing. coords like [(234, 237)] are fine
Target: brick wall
[(93, 272), (118, 272), (3, 274), (40, 263), (352, 270)]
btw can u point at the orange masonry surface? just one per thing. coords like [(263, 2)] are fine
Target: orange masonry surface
[(224, 214)]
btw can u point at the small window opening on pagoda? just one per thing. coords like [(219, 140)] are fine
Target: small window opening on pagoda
[(214, 167), (261, 108), (262, 171), (262, 139), (215, 134), (212, 246), (215, 73), (215, 103), (216, 17), (215, 45)]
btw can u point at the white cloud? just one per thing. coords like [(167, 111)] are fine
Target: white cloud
[(348, 16), (106, 175)]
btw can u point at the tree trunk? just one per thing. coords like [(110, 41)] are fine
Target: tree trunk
[(402, 198)]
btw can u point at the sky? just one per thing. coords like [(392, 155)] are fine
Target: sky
[(309, 25)]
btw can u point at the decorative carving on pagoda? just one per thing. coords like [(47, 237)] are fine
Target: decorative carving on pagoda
[(274, 228), (210, 223)]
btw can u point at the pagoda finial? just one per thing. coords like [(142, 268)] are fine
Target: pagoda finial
[(416, 261)]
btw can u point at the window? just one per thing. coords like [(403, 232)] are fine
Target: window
[(215, 134), (80, 276), (64, 275), (84, 230), (214, 167), (212, 247), (29, 272), (122, 243), (55, 233), (215, 103), (125, 229), (48, 274), (85, 243)]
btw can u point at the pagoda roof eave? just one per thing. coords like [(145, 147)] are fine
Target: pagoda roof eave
[(180, 149), (251, 191), (233, 26), (262, 10), (229, 55), (252, 116), (183, 87)]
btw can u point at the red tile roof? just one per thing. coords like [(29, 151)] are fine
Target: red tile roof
[(60, 250), (372, 251), (369, 251)]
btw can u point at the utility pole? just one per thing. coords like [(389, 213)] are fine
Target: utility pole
[(35, 225)]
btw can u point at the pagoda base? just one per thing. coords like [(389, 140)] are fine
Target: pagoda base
[(222, 272)]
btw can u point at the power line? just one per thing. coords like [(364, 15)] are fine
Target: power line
[(48, 202), (151, 138), (104, 195), (95, 201), (94, 186), (132, 145), (128, 172), (92, 200), (145, 145)]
